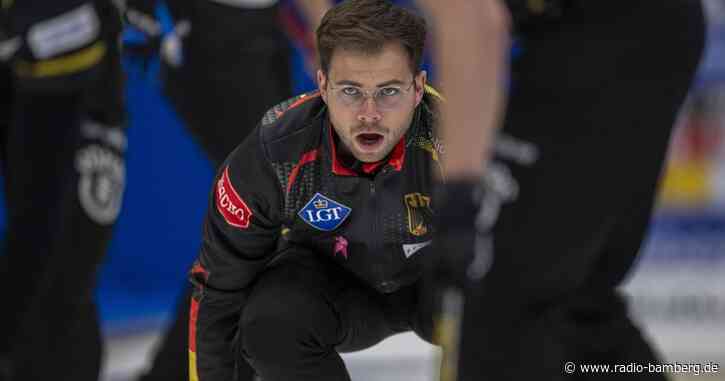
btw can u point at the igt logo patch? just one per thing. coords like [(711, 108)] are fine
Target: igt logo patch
[(230, 205), (323, 213)]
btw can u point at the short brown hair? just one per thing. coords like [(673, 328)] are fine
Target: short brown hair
[(366, 26)]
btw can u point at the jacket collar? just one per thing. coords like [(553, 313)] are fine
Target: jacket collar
[(396, 158)]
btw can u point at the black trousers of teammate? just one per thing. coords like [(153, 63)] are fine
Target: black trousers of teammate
[(237, 65), (62, 166), (304, 309), (591, 110)]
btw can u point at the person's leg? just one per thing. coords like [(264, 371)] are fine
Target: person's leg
[(237, 66), (304, 310), (289, 327), (170, 358), (603, 332), (598, 331), (65, 176), (585, 134), (170, 362)]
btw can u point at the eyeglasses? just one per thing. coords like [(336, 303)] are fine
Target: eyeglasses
[(386, 98)]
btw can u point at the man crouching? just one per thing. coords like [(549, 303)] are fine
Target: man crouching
[(319, 223)]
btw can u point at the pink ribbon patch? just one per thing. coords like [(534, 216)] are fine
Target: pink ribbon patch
[(341, 246)]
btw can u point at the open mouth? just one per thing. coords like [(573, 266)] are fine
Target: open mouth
[(369, 140)]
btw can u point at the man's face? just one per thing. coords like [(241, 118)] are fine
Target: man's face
[(371, 99)]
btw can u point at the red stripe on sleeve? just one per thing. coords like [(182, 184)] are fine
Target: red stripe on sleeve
[(193, 316), (306, 158)]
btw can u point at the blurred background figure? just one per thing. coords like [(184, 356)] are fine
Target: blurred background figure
[(678, 291), (538, 295), (62, 144), (223, 64)]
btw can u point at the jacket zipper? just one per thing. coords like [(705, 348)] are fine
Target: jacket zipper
[(374, 248), (378, 246)]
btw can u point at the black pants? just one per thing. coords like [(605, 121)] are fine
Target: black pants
[(63, 170), (587, 127), (303, 310), (237, 66)]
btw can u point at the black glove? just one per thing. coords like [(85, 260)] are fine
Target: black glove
[(141, 14), (156, 30), (143, 32), (457, 209)]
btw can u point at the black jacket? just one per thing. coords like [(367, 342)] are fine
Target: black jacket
[(284, 185)]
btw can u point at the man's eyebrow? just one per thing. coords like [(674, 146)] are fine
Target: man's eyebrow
[(357, 84)]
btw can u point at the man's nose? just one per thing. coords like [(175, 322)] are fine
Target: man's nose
[(369, 111)]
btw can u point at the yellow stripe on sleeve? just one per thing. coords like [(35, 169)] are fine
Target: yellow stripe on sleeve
[(193, 374), (69, 64)]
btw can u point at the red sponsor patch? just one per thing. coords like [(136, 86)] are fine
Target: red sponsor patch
[(230, 205)]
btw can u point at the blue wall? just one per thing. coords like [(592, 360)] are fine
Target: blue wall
[(158, 232)]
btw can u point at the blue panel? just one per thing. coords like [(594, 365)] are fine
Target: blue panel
[(158, 233)]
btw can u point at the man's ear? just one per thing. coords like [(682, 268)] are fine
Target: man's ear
[(420, 81), (322, 84)]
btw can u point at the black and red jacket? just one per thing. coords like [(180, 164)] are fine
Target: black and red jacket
[(285, 185)]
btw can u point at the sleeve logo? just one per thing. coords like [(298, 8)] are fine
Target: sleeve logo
[(230, 205)]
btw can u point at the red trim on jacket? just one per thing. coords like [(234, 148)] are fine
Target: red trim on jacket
[(193, 317), (337, 167), (396, 159), (307, 157), (302, 99)]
